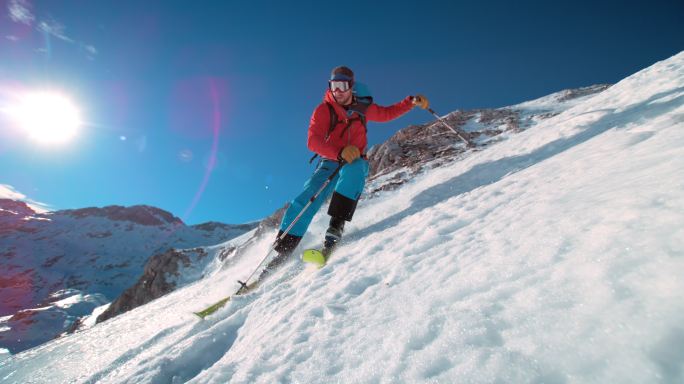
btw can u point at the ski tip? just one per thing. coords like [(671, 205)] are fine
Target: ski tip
[(313, 256), (200, 315)]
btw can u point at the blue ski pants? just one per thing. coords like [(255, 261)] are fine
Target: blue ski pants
[(347, 187)]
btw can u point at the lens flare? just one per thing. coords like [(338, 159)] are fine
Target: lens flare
[(211, 162)]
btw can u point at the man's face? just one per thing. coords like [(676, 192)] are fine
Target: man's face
[(342, 91), (343, 97)]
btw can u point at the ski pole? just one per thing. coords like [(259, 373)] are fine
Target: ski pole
[(458, 133), (243, 285)]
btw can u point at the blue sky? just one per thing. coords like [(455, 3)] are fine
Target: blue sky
[(202, 108)]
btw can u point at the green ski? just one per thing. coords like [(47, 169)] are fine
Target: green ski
[(219, 304), (215, 307)]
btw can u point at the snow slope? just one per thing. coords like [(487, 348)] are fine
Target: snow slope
[(555, 256)]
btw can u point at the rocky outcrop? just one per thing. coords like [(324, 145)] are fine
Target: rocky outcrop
[(156, 279), (14, 208), (14, 216), (414, 147), (571, 94), (153, 283)]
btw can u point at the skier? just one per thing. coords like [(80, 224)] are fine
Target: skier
[(337, 133)]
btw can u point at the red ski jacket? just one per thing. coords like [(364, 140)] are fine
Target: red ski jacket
[(330, 145)]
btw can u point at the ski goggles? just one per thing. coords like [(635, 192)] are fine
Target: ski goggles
[(336, 85)]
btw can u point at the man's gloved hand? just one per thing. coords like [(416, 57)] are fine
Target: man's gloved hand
[(349, 153), (421, 101)]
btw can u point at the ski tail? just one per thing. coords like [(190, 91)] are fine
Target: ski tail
[(244, 289), (213, 308), (314, 256)]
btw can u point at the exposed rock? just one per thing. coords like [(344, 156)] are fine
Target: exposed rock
[(52, 260), (13, 216), (153, 283), (9, 207), (570, 94), (416, 146)]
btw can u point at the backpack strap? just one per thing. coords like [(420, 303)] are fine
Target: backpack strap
[(360, 106), (333, 122)]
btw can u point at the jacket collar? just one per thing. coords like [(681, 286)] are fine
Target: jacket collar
[(341, 111)]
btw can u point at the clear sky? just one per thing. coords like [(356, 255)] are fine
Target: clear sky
[(202, 108)]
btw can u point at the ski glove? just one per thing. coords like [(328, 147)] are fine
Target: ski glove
[(349, 154), (421, 101)]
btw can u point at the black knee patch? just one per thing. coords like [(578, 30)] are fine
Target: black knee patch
[(342, 207)]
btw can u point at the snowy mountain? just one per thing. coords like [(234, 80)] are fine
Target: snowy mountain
[(58, 267), (553, 255)]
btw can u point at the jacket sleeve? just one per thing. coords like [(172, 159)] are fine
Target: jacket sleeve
[(381, 114), (318, 129)]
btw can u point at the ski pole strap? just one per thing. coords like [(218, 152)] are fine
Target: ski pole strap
[(243, 287)]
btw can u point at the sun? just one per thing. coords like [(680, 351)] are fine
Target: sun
[(47, 117)]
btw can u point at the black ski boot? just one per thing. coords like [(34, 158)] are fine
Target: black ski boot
[(332, 236), (285, 247)]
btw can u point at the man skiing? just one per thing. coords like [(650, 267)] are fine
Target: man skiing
[(337, 133)]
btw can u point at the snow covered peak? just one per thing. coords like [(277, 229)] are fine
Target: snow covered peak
[(98, 251), (139, 214)]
